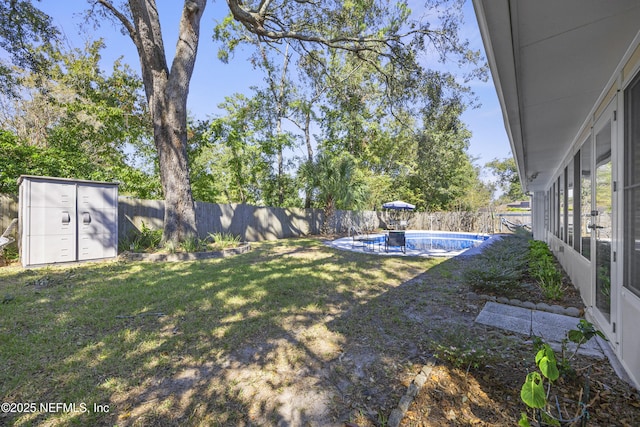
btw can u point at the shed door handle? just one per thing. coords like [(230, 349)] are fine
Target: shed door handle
[(66, 218), (86, 218)]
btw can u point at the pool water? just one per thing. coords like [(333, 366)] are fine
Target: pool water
[(418, 243), (443, 241)]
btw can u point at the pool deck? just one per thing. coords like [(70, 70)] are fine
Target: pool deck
[(369, 247)]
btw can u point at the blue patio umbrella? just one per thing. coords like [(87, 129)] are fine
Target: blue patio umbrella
[(399, 205)]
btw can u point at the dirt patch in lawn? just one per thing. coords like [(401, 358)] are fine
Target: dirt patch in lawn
[(350, 364), (491, 396), (457, 393)]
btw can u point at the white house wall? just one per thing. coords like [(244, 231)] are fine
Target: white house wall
[(629, 341), (625, 342), (577, 267), (557, 66)]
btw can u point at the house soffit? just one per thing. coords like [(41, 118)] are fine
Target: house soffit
[(550, 61)]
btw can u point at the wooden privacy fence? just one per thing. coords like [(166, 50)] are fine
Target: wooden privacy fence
[(254, 223), (472, 222), (8, 211), (251, 223)]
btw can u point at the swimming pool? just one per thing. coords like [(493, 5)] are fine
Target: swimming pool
[(418, 243), (445, 241)]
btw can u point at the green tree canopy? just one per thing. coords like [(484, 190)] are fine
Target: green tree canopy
[(82, 123), (24, 30), (365, 96), (338, 184), (508, 180)]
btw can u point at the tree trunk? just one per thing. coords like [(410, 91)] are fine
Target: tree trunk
[(171, 143), (307, 139), (329, 212), (167, 92)]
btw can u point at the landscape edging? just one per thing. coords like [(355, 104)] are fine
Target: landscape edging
[(184, 256)]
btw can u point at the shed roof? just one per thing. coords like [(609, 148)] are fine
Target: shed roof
[(55, 179)]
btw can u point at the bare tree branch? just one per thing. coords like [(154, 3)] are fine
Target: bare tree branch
[(268, 26), (264, 5), (120, 16)]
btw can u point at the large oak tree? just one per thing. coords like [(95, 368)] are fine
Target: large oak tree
[(167, 90), (377, 29)]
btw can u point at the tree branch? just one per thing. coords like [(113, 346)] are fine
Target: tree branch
[(187, 46), (266, 26), (264, 5), (121, 17)]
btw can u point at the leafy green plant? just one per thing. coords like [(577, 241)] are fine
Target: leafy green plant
[(170, 247), (583, 333), (533, 390), (461, 357), (552, 288), (536, 389), (193, 244), (542, 267), (10, 253), (461, 348), (491, 277), (142, 240), (224, 240)]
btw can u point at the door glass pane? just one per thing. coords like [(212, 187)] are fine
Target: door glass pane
[(570, 203), (585, 200), (632, 240), (632, 189), (556, 224), (561, 206), (602, 221)]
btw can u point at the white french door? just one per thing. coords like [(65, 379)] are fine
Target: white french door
[(603, 221)]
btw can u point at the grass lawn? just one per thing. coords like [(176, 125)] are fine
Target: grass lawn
[(236, 341)]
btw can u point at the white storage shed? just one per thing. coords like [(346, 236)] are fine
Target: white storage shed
[(65, 220)]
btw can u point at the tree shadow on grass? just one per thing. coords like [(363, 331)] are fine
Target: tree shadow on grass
[(238, 341), (292, 333)]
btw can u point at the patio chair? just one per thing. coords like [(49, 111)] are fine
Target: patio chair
[(365, 240), (7, 237), (396, 238)]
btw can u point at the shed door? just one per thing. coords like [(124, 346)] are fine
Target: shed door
[(52, 223), (97, 221)]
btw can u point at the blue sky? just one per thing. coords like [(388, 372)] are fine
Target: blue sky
[(213, 80)]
